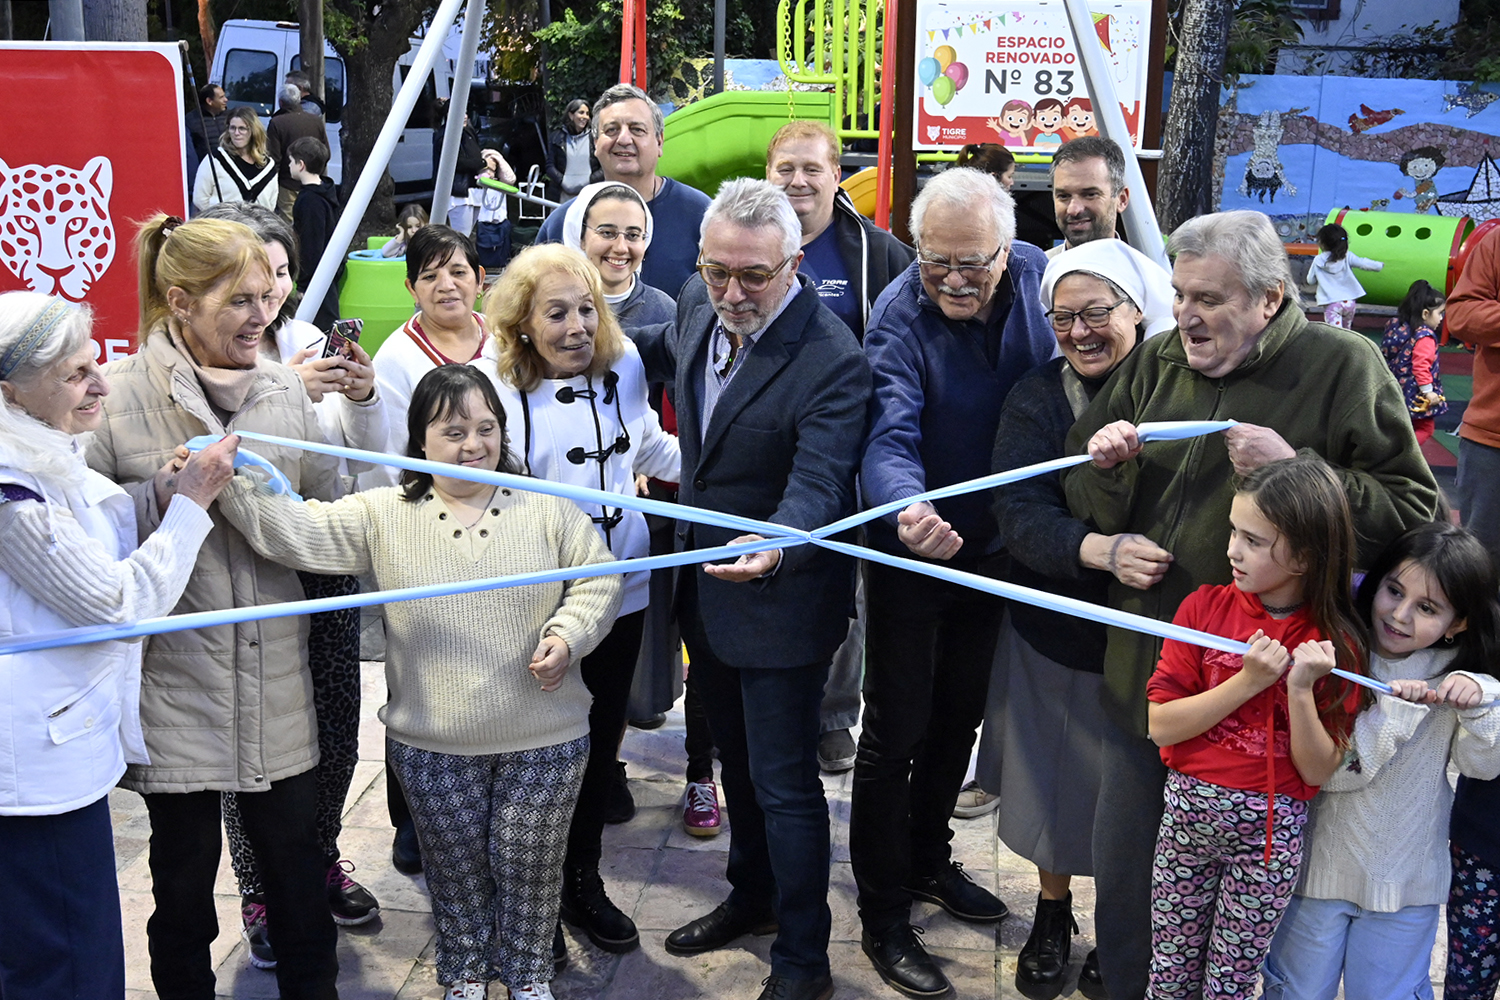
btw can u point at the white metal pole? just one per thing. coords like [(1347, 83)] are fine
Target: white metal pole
[(380, 155), (1140, 217), (458, 100)]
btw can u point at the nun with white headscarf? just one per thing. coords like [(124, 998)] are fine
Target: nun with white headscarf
[(1040, 751), (611, 225)]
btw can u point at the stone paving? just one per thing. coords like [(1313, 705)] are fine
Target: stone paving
[(653, 870)]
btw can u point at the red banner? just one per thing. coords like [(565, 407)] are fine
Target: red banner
[(92, 145)]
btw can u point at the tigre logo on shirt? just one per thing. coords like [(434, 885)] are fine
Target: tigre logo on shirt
[(832, 288)]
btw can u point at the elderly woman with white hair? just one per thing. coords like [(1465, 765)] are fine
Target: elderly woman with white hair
[(1041, 742), (69, 717), (1243, 350)]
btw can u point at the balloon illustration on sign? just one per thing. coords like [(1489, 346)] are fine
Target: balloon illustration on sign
[(943, 73)]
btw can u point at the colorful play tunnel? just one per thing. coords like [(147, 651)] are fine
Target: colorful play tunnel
[(1430, 247)]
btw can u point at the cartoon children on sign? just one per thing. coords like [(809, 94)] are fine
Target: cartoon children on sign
[(1014, 126), (1047, 116), (1078, 118), (1421, 165)]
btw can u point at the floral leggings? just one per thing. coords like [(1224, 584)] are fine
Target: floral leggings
[(1473, 929), (1340, 314), (1215, 903), (494, 830)]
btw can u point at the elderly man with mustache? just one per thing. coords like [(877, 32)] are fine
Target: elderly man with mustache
[(945, 341)]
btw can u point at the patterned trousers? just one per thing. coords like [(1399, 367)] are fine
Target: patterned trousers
[(333, 661), (1215, 903), (494, 831), (1340, 313), (1473, 929)]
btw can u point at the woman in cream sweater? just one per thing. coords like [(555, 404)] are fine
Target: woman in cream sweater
[(486, 727)]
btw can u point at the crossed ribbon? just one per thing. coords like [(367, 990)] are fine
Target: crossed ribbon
[(774, 536)]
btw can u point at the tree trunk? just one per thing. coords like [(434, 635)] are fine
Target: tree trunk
[(114, 20), (1187, 180), (206, 33), (310, 20), (369, 69)]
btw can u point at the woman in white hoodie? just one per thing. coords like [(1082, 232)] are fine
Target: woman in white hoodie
[(69, 717)]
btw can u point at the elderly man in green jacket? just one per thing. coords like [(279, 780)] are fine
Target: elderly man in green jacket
[(1244, 351)]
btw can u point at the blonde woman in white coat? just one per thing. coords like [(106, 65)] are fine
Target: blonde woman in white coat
[(69, 718), (574, 393)]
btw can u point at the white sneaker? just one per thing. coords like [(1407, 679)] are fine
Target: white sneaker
[(467, 989), (533, 991)]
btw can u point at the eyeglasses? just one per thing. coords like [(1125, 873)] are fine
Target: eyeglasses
[(751, 279), (609, 233), (1094, 317), (238, 128), (972, 270)]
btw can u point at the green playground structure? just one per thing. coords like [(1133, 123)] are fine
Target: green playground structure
[(1411, 246), (726, 135)]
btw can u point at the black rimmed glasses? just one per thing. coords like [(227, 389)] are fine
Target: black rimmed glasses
[(751, 279), (1094, 317), (609, 233), (972, 270)]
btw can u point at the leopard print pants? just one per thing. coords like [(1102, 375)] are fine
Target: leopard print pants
[(333, 659)]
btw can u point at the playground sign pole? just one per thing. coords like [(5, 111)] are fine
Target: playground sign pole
[(887, 115), (1140, 219), (442, 191), (380, 156)]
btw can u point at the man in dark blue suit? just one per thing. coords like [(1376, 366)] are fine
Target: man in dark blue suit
[(771, 396)]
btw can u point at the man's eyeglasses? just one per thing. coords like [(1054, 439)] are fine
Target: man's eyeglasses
[(609, 233), (1094, 317), (751, 279), (939, 269)]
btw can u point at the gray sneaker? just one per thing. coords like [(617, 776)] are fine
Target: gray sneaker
[(836, 751), (974, 801)]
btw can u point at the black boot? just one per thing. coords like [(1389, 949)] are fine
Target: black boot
[(586, 906), (1044, 957), (559, 950), (1090, 982)]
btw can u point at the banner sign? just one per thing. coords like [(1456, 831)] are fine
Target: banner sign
[(1009, 73), (93, 144)]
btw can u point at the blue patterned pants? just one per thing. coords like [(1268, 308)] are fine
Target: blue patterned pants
[(494, 830), (1473, 929)]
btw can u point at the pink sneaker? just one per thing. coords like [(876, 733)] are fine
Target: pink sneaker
[(700, 809)]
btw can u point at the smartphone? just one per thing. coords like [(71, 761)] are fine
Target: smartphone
[(344, 332)]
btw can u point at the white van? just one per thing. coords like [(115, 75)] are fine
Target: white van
[(252, 59)]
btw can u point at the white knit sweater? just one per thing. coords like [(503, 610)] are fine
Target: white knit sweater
[(456, 666), (1379, 831)]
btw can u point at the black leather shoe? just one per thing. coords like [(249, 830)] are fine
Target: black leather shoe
[(559, 950), (406, 853), (953, 890), (619, 804), (717, 929), (1044, 956), (782, 988), (904, 964), (586, 906), (1090, 982)]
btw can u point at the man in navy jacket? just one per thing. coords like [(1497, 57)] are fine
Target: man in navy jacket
[(945, 341), (771, 393)]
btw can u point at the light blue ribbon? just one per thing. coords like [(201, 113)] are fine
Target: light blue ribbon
[(276, 480), (775, 536)]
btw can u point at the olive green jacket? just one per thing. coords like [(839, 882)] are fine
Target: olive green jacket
[(1326, 391)]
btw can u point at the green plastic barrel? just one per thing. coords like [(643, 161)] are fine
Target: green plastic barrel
[(1410, 246), (375, 291)]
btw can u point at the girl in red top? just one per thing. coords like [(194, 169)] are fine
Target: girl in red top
[(1411, 350), (1248, 739)]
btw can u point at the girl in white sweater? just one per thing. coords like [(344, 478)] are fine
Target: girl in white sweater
[(1376, 866)]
